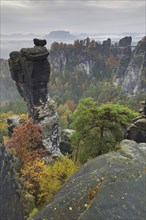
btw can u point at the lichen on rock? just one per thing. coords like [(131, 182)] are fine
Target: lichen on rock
[(114, 183)]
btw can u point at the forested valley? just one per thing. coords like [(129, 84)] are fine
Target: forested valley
[(87, 88)]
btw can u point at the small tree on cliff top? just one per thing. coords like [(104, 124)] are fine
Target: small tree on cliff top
[(98, 128)]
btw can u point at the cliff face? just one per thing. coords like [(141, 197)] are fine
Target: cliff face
[(121, 63), (10, 205), (131, 73), (83, 56)]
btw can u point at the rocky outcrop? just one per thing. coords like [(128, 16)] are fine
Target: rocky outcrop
[(10, 202), (79, 58), (136, 131), (66, 146), (132, 69), (125, 45), (107, 43), (126, 41), (47, 117), (110, 186), (58, 60), (30, 69)]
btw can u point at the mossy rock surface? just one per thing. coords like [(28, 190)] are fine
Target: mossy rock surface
[(109, 187)]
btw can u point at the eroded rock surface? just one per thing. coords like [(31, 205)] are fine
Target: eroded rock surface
[(111, 187), (136, 131), (47, 117), (132, 68), (66, 147), (30, 69), (123, 62), (10, 202), (126, 41)]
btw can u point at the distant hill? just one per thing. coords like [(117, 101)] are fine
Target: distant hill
[(59, 36)]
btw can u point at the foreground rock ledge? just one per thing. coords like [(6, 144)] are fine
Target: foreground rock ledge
[(119, 180)]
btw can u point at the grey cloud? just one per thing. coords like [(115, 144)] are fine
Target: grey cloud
[(115, 4), (76, 16)]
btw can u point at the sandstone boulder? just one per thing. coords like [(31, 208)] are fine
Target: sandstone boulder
[(111, 187)]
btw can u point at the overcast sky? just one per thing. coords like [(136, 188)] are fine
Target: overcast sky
[(84, 16)]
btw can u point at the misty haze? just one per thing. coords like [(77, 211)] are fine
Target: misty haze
[(16, 41), (73, 110)]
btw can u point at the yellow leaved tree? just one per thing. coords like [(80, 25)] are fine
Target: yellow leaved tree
[(43, 181)]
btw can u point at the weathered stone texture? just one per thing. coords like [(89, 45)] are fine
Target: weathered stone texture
[(126, 41), (111, 187), (47, 117), (30, 69), (66, 147), (123, 62), (136, 131), (132, 68), (10, 204)]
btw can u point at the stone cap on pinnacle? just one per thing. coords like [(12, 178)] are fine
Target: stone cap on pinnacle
[(39, 42)]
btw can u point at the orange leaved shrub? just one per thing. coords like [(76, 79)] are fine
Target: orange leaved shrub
[(26, 141)]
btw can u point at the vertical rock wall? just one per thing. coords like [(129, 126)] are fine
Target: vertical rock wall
[(132, 68), (10, 205)]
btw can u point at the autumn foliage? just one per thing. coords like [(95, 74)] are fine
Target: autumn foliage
[(26, 141), (43, 180), (39, 179)]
